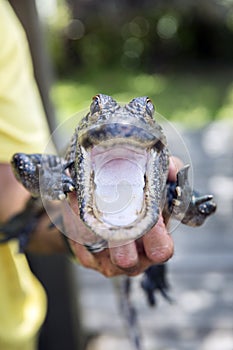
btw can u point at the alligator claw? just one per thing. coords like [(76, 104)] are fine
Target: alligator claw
[(202, 199)]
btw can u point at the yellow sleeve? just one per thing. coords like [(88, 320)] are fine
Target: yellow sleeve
[(23, 126), (23, 302)]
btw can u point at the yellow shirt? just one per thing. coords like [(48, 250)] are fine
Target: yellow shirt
[(23, 126)]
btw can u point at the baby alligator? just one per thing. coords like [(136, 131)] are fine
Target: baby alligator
[(117, 163)]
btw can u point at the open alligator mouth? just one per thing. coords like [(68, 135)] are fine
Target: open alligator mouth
[(122, 179)]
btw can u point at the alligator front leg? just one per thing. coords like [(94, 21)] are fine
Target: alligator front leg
[(188, 206), (43, 175)]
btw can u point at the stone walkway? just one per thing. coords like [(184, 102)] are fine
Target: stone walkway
[(200, 273)]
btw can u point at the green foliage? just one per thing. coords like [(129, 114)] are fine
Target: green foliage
[(117, 50), (194, 99), (145, 36)]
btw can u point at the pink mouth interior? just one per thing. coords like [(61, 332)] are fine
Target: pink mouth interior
[(119, 181)]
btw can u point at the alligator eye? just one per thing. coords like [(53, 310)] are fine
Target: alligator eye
[(149, 107), (95, 106)]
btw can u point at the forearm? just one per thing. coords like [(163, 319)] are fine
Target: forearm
[(13, 195)]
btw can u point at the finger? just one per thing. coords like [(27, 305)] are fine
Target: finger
[(158, 244), (73, 202), (85, 258), (105, 265), (100, 262), (125, 257), (175, 164)]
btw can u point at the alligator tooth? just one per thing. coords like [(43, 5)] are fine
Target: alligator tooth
[(178, 191), (62, 196), (176, 202)]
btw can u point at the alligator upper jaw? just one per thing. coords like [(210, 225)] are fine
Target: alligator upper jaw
[(131, 132)]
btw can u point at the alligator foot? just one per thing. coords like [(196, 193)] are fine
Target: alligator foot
[(189, 206), (154, 280)]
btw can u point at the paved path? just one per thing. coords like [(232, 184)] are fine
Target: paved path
[(200, 272)]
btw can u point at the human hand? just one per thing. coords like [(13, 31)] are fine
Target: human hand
[(131, 259)]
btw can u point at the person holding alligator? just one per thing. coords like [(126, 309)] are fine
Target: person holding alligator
[(23, 128)]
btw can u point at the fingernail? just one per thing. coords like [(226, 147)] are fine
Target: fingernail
[(161, 254)]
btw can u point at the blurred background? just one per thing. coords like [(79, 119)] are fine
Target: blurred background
[(180, 54)]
